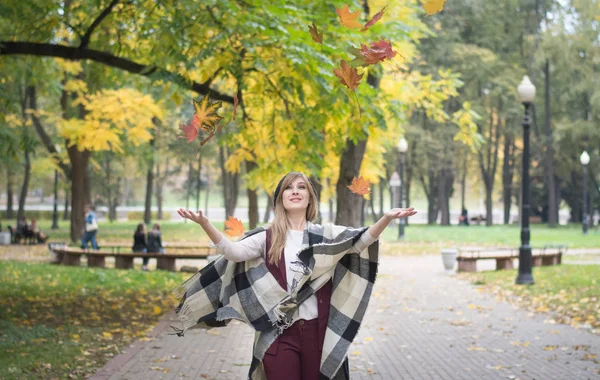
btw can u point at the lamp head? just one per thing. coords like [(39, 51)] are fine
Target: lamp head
[(526, 90)]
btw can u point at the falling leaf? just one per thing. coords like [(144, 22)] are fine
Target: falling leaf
[(374, 19), (348, 75), (360, 186), (433, 6), (347, 18), (235, 104), (371, 55), (206, 114), (315, 34), (190, 132), (234, 227)]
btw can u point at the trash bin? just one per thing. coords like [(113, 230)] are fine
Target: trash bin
[(4, 238), (56, 258), (449, 259)]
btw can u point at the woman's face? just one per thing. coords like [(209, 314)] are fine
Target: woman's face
[(296, 195)]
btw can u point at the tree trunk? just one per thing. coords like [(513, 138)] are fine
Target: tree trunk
[(25, 186), (149, 186), (445, 189), (318, 189), (508, 169), (188, 193), (9, 193), (230, 184), (330, 203), (463, 184), (160, 182), (198, 181), (408, 173), (252, 198), (79, 165), (349, 205), (109, 193), (549, 155), (431, 190), (66, 208), (382, 182), (267, 214)]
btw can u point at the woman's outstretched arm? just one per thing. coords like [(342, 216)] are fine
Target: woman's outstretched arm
[(376, 229), (214, 234)]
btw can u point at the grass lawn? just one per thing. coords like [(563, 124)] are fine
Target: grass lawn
[(420, 239), (571, 293), (65, 322)]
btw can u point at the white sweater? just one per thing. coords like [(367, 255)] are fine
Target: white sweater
[(255, 246)]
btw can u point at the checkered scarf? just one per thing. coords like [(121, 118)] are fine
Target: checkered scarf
[(248, 292)]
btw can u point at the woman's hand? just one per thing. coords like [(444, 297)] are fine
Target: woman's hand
[(194, 217), (396, 213)]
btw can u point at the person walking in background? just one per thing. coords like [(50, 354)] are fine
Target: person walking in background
[(291, 282), (91, 228), (140, 244), (154, 239)]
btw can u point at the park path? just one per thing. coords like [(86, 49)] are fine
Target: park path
[(421, 324)]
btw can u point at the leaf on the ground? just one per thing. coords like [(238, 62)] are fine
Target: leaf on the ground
[(520, 344), (589, 356), (368, 339), (374, 19), (371, 55), (347, 18), (315, 34), (550, 348), (460, 322), (356, 353), (233, 227), (206, 113), (157, 310), (190, 132), (360, 186), (477, 348), (433, 6), (348, 75)]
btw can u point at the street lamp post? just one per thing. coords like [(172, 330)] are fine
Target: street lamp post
[(402, 148), (526, 92), (585, 160), (55, 209)]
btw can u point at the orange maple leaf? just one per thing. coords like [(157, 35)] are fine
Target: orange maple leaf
[(348, 75), (206, 113), (315, 34), (374, 19), (433, 6), (360, 186), (234, 227), (190, 132), (348, 18)]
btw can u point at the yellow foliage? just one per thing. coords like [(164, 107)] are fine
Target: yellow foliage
[(69, 67), (111, 116), (77, 86)]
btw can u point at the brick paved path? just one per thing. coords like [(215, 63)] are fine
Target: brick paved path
[(421, 324)]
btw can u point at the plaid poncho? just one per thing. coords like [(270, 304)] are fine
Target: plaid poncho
[(248, 292)]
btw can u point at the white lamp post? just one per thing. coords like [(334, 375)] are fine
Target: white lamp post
[(526, 91), (585, 160)]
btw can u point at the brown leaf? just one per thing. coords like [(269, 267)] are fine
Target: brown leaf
[(370, 55), (348, 75), (347, 18), (374, 19), (315, 34), (360, 186), (234, 227)]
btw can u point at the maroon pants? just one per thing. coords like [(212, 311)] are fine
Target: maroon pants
[(295, 354)]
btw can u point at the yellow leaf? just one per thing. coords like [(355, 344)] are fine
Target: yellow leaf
[(550, 348), (368, 339), (433, 6), (107, 335), (157, 310)]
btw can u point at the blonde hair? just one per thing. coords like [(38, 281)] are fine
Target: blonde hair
[(280, 224)]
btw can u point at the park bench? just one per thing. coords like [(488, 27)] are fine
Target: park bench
[(169, 247), (548, 255), (123, 260)]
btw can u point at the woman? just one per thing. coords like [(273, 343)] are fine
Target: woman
[(280, 280), (154, 240), (139, 243)]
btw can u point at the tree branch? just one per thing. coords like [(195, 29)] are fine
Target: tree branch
[(76, 54), (85, 40), (66, 169)]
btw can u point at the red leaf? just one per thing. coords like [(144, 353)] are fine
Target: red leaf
[(315, 34), (377, 52), (348, 75), (360, 186), (190, 131), (374, 19)]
